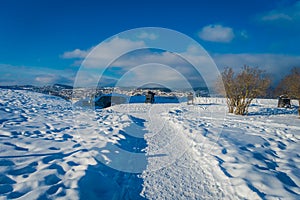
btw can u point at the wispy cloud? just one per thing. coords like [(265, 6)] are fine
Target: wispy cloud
[(244, 34), (217, 33), (287, 13), (146, 35), (24, 75), (276, 16)]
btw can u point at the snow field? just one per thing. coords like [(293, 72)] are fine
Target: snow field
[(52, 150)]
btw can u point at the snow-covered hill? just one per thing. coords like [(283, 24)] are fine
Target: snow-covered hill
[(52, 150)]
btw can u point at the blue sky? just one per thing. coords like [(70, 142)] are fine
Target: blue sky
[(42, 42)]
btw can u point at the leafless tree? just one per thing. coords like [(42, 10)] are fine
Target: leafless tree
[(242, 88)]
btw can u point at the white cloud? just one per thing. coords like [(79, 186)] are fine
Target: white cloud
[(150, 36), (104, 53), (77, 53), (216, 33)]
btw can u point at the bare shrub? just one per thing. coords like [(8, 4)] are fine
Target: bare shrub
[(242, 88)]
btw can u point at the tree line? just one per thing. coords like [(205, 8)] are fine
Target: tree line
[(240, 88)]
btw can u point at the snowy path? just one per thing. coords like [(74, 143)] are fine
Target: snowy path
[(48, 150), (182, 173)]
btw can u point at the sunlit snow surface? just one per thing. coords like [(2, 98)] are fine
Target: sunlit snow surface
[(48, 150)]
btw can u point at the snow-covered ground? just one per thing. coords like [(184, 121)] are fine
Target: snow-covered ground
[(52, 150)]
